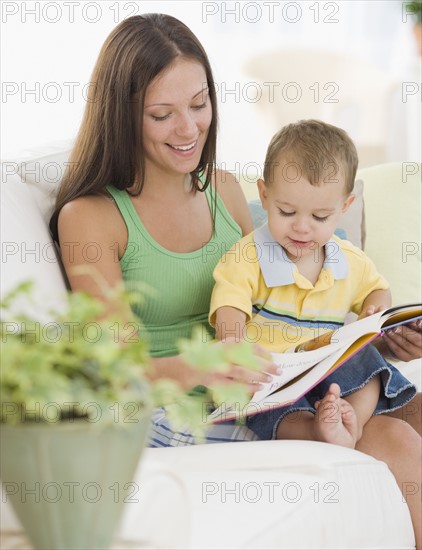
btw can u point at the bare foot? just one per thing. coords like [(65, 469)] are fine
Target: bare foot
[(335, 420)]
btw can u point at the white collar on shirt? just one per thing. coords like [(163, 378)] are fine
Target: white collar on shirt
[(277, 269)]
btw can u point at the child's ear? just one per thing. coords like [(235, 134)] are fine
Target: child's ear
[(348, 202), (263, 193)]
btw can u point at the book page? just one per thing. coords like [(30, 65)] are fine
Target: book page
[(303, 370), (295, 391), (284, 396), (358, 328), (378, 322), (401, 316), (294, 364)]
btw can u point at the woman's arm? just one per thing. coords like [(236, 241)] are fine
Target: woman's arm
[(93, 235), (234, 200), (188, 377)]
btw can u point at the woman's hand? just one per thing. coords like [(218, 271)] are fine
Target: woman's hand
[(188, 376), (253, 379), (404, 342)]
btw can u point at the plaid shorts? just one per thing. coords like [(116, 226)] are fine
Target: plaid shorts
[(162, 434)]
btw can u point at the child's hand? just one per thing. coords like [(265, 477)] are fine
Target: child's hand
[(370, 310)]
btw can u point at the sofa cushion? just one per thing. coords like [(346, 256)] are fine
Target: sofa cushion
[(392, 194), (27, 249), (352, 222), (42, 169), (259, 494), (286, 484)]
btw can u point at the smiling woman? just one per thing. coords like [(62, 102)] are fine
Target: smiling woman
[(177, 118), (144, 158), (115, 125)]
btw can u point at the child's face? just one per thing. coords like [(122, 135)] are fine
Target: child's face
[(302, 217)]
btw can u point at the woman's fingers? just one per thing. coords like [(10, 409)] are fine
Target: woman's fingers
[(267, 364), (247, 376), (405, 342), (267, 368)]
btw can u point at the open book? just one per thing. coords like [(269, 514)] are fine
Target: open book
[(307, 365)]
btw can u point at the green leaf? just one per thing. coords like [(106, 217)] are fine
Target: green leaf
[(78, 359)]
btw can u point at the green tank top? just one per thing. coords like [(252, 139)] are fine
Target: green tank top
[(180, 284)]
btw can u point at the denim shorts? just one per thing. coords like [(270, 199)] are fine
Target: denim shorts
[(395, 391)]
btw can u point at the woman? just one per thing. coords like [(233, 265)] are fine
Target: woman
[(142, 186)]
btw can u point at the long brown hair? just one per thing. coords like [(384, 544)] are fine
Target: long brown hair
[(109, 149)]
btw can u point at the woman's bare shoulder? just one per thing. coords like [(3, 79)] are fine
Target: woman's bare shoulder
[(89, 205), (226, 180), (92, 217), (234, 199), (92, 234), (90, 209)]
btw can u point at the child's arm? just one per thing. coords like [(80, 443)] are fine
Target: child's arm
[(376, 301), (230, 324)]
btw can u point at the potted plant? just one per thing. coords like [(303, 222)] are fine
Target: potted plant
[(75, 411), (415, 8)]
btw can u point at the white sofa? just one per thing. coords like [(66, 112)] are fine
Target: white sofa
[(285, 495)]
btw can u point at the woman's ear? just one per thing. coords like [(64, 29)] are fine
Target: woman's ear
[(263, 193), (348, 202)]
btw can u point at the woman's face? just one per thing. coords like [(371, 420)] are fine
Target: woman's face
[(177, 116)]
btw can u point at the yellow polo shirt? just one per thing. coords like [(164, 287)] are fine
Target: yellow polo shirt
[(282, 307)]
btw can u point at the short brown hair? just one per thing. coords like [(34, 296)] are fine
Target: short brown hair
[(318, 149)]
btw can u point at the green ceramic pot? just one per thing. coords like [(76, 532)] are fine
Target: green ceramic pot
[(68, 482)]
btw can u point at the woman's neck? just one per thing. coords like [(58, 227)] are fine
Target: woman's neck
[(160, 183)]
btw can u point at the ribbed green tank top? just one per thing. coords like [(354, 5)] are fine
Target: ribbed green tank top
[(180, 283)]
